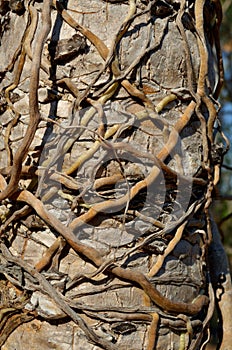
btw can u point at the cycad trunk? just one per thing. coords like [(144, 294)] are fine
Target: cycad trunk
[(108, 163)]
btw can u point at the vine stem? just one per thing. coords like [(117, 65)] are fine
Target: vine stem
[(33, 103)]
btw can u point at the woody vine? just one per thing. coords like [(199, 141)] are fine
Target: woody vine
[(115, 184)]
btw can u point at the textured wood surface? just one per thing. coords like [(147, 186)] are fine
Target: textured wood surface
[(152, 57)]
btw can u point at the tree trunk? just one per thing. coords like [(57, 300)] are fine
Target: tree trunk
[(108, 163)]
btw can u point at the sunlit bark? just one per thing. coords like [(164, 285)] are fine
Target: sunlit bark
[(108, 161)]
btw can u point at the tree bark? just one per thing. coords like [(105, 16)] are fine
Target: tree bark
[(108, 163)]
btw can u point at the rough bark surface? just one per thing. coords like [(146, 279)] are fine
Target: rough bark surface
[(108, 163)]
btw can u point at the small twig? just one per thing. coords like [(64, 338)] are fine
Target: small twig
[(155, 171), (227, 217), (153, 331), (95, 257), (171, 245), (58, 298), (33, 104), (228, 167), (47, 257)]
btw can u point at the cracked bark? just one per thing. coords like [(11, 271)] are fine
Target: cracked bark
[(122, 165)]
